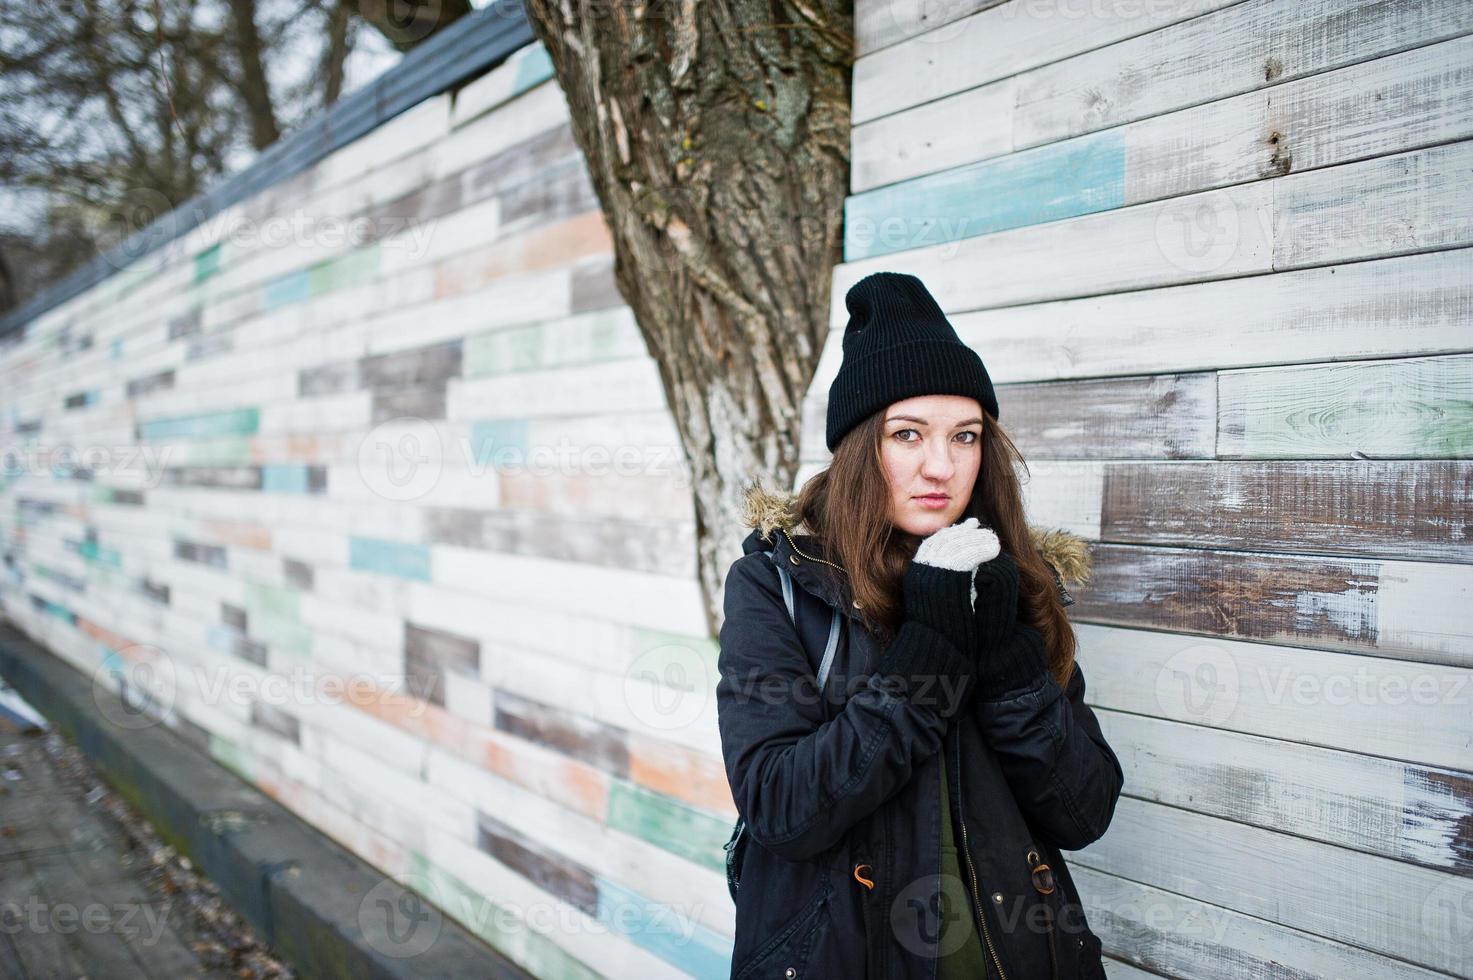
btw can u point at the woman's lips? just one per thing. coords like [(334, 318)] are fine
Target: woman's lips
[(934, 501)]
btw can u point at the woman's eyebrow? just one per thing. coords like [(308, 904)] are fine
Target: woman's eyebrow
[(913, 418)]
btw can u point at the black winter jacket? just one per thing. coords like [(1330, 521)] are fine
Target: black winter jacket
[(841, 796)]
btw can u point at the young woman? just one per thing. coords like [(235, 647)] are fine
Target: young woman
[(903, 817)]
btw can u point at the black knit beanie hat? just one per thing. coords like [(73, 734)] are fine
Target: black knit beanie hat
[(899, 344)]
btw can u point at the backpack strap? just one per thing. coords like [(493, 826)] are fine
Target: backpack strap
[(833, 643)]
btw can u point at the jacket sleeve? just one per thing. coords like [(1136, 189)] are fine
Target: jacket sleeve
[(799, 781), (1063, 774)]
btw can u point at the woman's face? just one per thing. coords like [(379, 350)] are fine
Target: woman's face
[(931, 449)]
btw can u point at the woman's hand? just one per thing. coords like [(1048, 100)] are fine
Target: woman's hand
[(937, 590), (1012, 654), (959, 547), (938, 582), (996, 605)]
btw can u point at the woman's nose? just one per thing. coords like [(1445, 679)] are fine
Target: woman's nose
[(936, 464)]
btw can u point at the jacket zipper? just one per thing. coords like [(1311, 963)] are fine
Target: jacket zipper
[(795, 547), (967, 852)]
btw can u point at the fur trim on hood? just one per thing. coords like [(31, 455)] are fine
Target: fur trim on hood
[(1065, 551)]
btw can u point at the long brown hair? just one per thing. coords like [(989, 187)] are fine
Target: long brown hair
[(847, 506)]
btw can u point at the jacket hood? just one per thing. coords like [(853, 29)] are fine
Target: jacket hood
[(1067, 553)]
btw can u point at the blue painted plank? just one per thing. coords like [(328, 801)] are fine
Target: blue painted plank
[(284, 478), (499, 441), (670, 933), (390, 558), (1050, 183), (290, 288)]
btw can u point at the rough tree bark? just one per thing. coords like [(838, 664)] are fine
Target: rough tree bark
[(717, 137)]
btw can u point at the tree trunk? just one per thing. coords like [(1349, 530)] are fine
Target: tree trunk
[(717, 137)]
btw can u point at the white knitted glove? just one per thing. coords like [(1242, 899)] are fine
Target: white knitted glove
[(960, 548)]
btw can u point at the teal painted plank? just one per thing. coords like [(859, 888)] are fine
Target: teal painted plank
[(55, 610), (345, 270), (1050, 183), (390, 557), (235, 421), (499, 441), (92, 551), (670, 933), (284, 478), (207, 263), (290, 288), (534, 68)]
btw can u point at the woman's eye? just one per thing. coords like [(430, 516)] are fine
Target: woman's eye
[(971, 437), (901, 432)]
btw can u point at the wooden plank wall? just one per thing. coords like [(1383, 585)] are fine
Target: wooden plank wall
[(1218, 256), (378, 501)]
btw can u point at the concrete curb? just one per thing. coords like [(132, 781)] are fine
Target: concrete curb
[(303, 892)]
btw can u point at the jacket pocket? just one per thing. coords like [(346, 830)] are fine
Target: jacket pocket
[(736, 850), (789, 953)]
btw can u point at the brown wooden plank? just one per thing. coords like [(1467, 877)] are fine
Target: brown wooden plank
[(328, 379), (552, 872), (594, 287), (269, 717), (298, 574), (429, 653), (1166, 416), (416, 367), (220, 477), (416, 403), (1372, 508), (527, 160), (578, 736), (1401, 610), (560, 193), (661, 547)]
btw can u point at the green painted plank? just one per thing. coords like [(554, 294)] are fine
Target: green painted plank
[(223, 451), (531, 949), (668, 824), (235, 421), (1413, 408), (281, 633), (232, 757), (272, 600), (605, 334)]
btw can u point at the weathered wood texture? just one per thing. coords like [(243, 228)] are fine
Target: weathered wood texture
[(1218, 258)]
